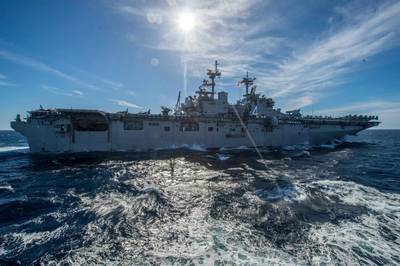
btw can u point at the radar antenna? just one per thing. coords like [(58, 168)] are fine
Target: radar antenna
[(247, 81)]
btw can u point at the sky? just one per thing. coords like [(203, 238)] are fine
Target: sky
[(325, 57)]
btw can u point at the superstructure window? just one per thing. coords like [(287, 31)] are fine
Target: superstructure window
[(154, 124), (210, 128), (167, 128), (133, 125), (189, 126)]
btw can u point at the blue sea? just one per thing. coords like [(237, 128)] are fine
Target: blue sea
[(336, 204)]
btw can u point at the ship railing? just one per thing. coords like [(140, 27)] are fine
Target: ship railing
[(362, 118), (320, 120)]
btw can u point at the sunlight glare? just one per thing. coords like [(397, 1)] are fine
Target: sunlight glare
[(186, 21)]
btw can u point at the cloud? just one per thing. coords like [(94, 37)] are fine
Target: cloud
[(225, 31), (22, 60), (62, 92), (171, 2), (131, 10), (324, 62), (4, 82), (153, 16), (125, 103), (244, 39), (154, 62), (37, 65), (299, 102), (115, 85), (78, 92)]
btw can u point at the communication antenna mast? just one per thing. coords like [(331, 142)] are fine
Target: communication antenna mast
[(247, 81), (212, 74)]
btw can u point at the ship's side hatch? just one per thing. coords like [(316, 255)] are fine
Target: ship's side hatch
[(91, 131)]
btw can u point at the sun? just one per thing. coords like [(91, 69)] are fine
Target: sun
[(186, 21)]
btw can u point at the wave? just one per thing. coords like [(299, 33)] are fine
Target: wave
[(194, 147), (368, 238), (13, 148), (6, 188), (218, 156), (7, 201), (222, 157), (295, 147)]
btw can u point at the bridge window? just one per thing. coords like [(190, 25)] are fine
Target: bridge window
[(210, 128)]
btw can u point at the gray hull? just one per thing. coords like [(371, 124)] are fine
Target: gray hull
[(45, 139)]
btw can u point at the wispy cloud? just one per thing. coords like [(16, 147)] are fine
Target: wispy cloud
[(292, 70), (299, 102), (77, 92), (4, 82), (115, 85), (153, 16), (223, 31), (40, 66), (324, 62), (125, 103), (30, 62), (62, 92)]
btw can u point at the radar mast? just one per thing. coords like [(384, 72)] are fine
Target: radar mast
[(212, 74), (247, 81)]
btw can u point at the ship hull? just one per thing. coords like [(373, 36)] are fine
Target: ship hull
[(167, 134)]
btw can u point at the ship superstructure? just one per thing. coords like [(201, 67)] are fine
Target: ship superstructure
[(206, 119)]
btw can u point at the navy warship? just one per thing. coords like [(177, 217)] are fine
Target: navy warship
[(205, 120)]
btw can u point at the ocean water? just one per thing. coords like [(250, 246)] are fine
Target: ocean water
[(334, 204)]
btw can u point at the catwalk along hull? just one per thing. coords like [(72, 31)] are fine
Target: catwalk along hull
[(62, 136)]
